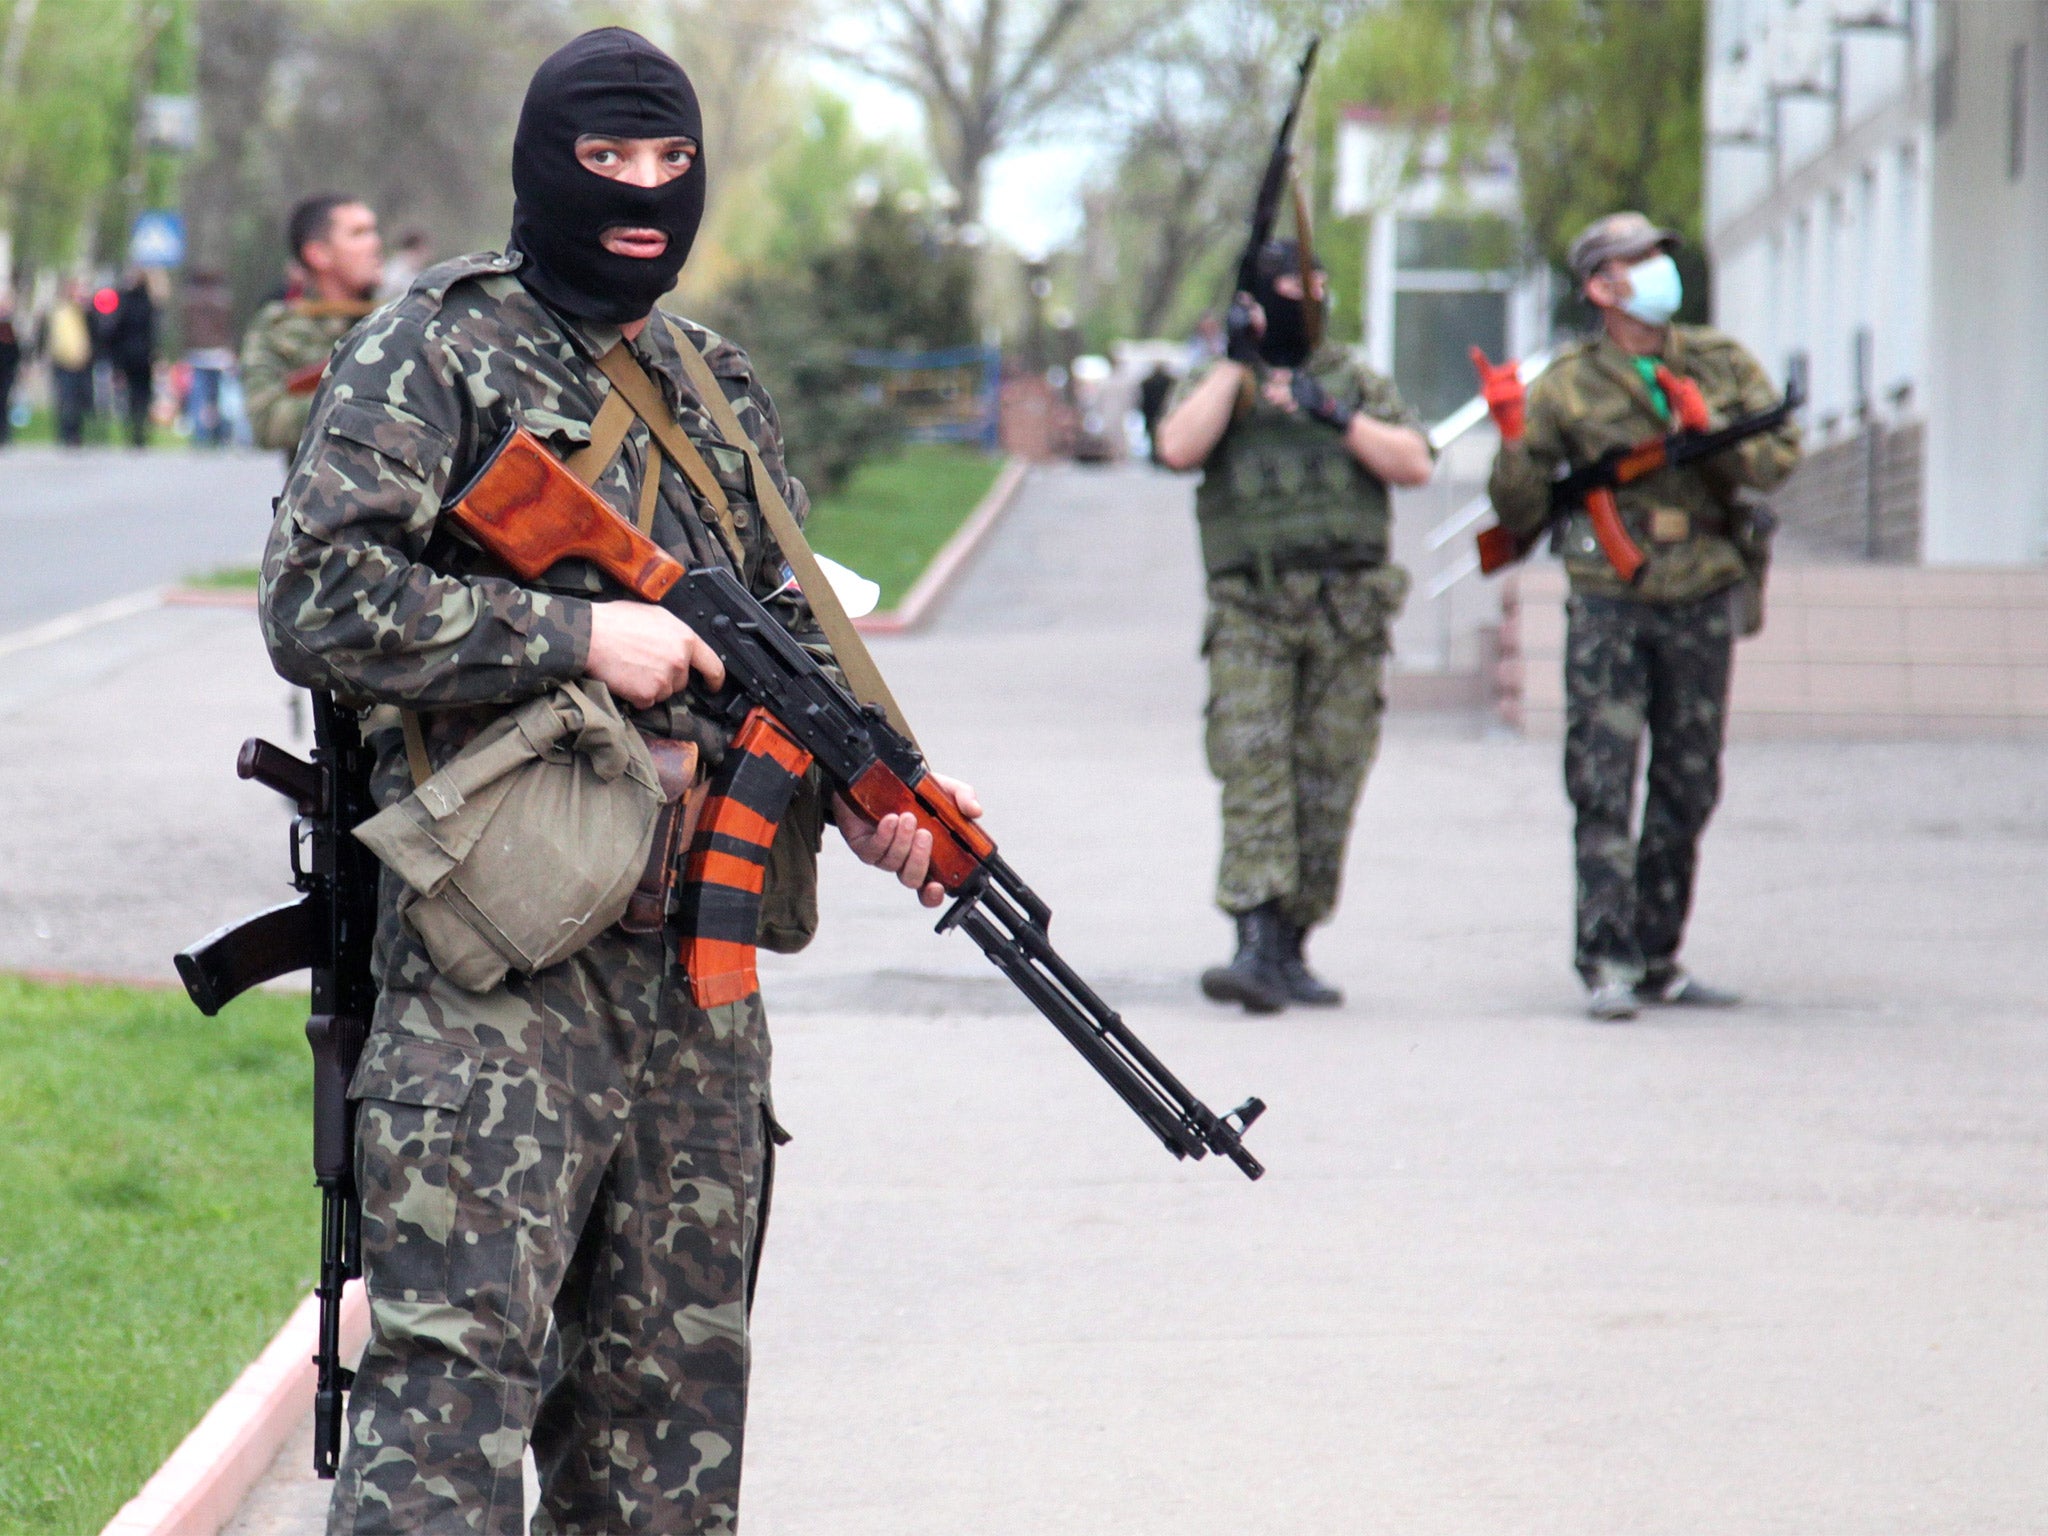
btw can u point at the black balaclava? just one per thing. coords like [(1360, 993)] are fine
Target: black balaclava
[(1286, 343), (616, 83)]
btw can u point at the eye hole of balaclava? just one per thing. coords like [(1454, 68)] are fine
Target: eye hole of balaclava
[(615, 83), (1286, 342)]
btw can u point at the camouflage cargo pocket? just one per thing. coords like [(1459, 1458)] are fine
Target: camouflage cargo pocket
[(410, 1095)]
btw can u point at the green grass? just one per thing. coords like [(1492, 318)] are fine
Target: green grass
[(101, 431), (157, 1223), (228, 577), (895, 513)]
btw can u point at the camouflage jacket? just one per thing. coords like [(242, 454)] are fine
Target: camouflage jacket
[(1592, 399), (285, 336), (365, 592), (1281, 491)]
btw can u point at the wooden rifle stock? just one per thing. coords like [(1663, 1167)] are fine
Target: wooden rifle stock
[(525, 507), (528, 510)]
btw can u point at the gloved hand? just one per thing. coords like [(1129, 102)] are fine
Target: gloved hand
[(1242, 327), (1500, 385), (1312, 399), (1688, 405)]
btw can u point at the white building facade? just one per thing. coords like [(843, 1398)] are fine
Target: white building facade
[(1877, 201)]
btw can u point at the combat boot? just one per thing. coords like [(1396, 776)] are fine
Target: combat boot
[(1253, 976), (1303, 985)]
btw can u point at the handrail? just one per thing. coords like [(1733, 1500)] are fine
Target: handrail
[(1467, 418)]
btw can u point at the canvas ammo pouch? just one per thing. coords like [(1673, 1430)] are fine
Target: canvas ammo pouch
[(1751, 527), (530, 841)]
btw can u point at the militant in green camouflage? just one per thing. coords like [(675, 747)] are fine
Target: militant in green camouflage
[(1296, 693), (285, 337), (590, 1098), (1295, 535), (1632, 667), (1592, 399), (1650, 657)]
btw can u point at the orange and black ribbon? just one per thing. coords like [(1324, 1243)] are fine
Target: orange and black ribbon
[(728, 861)]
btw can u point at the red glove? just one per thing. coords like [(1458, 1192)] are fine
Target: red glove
[(1688, 405), (1500, 385)]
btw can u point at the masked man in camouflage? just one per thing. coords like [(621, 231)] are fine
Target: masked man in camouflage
[(1653, 656), (1297, 445), (564, 1178), (337, 254)]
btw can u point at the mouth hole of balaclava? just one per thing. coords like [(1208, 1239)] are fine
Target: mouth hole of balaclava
[(611, 83)]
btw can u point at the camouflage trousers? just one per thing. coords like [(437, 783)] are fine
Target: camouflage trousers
[(1296, 674), (1630, 668), (564, 1182)]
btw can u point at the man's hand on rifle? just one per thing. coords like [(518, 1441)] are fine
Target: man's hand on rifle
[(896, 844), (644, 653)]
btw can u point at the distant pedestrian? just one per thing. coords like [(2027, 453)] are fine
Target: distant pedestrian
[(209, 327), (339, 262), (10, 365), (66, 343), (131, 349), (1153, 391)]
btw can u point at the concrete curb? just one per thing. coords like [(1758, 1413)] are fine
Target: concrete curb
[(211, 597), (951, 560), (199, 1489)]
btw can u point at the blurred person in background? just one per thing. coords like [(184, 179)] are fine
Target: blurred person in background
[(10, 365), (1298, 445), (131, 350), (339, 256), (209, 352), (66, 343), (413, 253), (1647, 656)]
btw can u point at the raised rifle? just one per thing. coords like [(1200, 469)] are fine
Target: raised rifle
[(1593, 485), (328, 931), (523, 506), (1273, 184)]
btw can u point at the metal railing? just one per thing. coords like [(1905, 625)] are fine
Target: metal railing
[(1439, 633)]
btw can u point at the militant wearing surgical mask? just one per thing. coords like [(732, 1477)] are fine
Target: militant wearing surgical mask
[(1656, 290), (614, 83)]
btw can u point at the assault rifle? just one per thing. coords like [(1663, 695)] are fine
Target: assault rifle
[(1593, 485), (1272, 184), (327, 930), (525, 508)]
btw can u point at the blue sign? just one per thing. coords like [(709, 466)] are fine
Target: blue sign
[(158, 239)]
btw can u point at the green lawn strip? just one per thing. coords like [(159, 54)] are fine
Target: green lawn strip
[(228, 578), (158, 1223), (895, 513), (101, 430)]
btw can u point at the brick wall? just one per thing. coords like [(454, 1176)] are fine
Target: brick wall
[(1852, 651), (1824, 509)]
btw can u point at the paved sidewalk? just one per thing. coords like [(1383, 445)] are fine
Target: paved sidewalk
[(1773, 1271), (80, 526)]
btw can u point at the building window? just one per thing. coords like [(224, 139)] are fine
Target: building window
[(2016, 114)]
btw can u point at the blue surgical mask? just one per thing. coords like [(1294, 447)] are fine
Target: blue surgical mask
[(1657, 290)]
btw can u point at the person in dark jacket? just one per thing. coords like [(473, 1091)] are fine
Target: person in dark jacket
[(131, 348), (10, 365)]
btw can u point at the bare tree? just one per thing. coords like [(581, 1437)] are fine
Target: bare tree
[(1193, 131), (990, 73)]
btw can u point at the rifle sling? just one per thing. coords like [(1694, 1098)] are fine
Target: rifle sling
[(862, 675), (644, 396)]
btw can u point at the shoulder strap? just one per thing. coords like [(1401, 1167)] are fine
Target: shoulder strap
[(644, 396), (862, 674)]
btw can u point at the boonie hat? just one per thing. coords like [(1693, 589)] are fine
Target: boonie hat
[(1626, 234)]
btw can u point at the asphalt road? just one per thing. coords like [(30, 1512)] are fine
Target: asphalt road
[(1774, 1271), (80, 527)]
